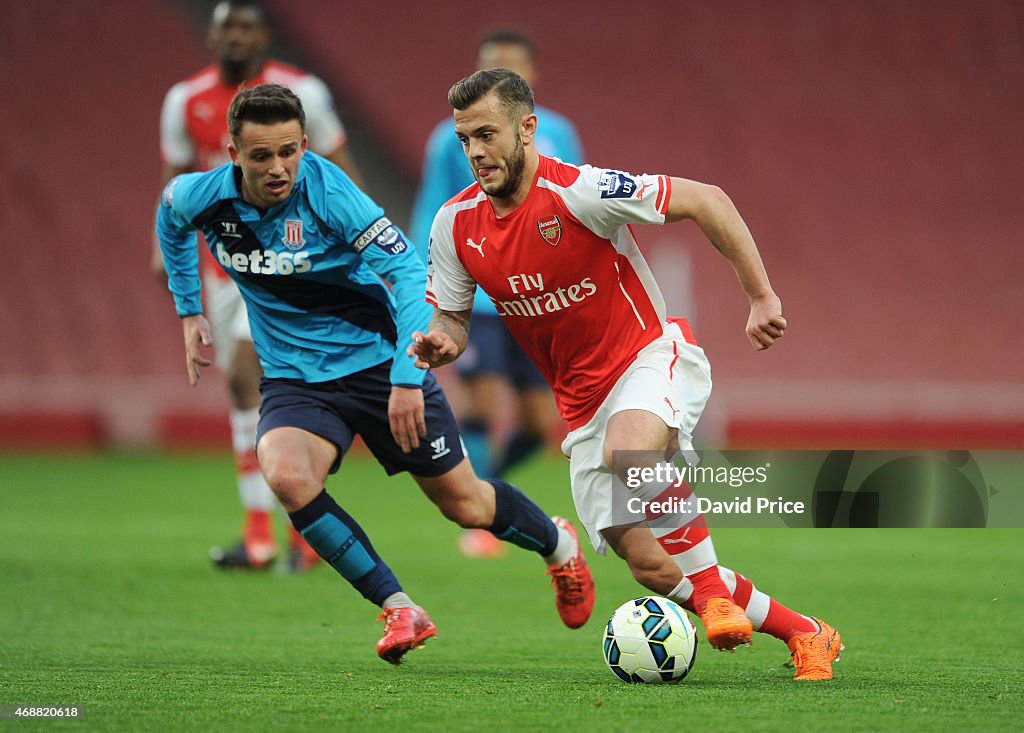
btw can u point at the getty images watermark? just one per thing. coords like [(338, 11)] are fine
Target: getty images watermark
[(666, 481), (840, 488)]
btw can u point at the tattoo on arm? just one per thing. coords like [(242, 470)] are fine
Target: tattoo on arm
[(453, 323)]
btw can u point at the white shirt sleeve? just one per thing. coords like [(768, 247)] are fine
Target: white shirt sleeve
[(323, 128), (604, 199), (176, 145), (449, 286)]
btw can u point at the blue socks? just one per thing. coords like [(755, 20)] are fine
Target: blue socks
[(339, 540), (519, 521)]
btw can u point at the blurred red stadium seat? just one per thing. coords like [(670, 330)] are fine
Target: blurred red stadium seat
[(873, 148)]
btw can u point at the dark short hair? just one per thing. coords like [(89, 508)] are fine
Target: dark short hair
[(512, 90), (510, 35), (264, 104)]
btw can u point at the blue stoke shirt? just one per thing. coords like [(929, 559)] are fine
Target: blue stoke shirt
[(307, 269), (446, 172)]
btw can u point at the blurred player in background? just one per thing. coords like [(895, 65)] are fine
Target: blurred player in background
[(309, 251), (551, 244), (194, 137), (493, 358)]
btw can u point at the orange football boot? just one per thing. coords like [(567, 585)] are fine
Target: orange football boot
[(725, 624), (814, 651)]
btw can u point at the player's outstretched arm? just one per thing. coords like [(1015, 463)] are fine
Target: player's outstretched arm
[(197, 335), (445, 340), (716, 215)]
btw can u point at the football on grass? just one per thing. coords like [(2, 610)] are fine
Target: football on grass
[(650, 640)]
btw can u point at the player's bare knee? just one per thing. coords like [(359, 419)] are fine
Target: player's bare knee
[(290, 482), (635, 438)]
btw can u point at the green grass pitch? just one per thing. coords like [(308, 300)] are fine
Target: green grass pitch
[(108, 600)]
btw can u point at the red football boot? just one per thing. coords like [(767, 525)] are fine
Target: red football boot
[(574, 585), (404, 629)]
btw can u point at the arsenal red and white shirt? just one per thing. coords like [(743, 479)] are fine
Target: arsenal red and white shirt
[(563, 270)]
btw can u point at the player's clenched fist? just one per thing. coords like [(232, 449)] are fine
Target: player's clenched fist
[(766, 323)]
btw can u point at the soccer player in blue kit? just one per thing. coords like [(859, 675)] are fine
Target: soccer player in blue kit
[(308, 251)]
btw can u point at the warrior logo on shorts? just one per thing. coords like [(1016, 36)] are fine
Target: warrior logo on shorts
[(293, 234), (440, 448), (550, 229)]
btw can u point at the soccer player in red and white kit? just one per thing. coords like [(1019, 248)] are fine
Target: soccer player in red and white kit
[(194, 137), (551, 245)]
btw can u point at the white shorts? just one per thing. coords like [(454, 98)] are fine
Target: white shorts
[(669, 378), (228, 318)]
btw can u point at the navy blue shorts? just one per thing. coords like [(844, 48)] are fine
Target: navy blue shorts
[(340, 409), (493, 350)]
